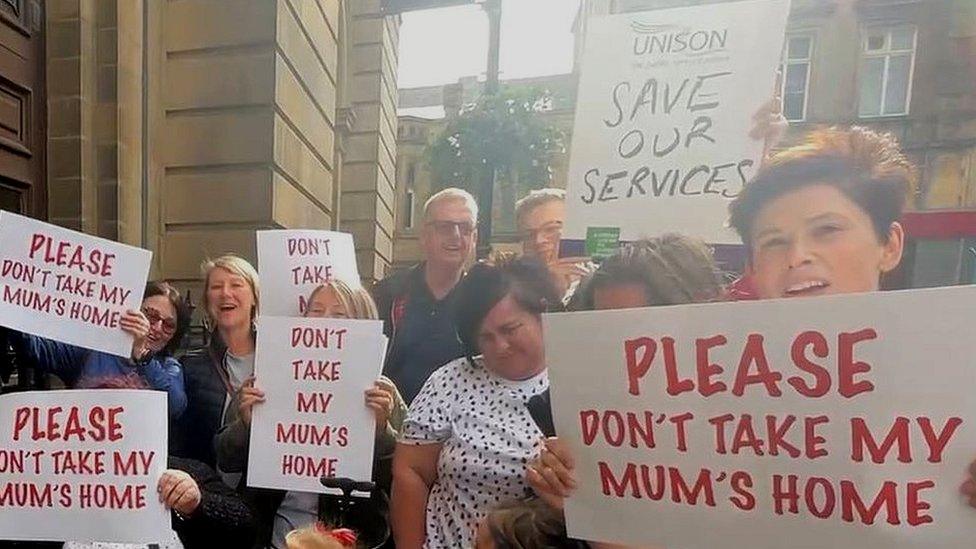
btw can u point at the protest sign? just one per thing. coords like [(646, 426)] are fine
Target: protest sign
[(841, 421), (83, 466), (68, 286), (293, 263), (663, 113), (314, 422)]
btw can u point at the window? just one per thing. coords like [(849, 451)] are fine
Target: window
[(408, 210), (795, 81), (887, 62)]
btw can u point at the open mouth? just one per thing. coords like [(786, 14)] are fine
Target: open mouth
[(227, 307), (806, 288)]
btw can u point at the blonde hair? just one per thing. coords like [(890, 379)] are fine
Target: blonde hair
[(312, 537), (451, 194), (537, 198), (236, 265), (357, 301)]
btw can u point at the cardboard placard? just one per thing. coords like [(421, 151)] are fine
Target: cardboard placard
[(314, 422), (663, 114), (83, 466), (295, 262), (843, 421), (68, 286)]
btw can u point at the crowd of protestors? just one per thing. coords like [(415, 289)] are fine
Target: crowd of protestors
[(460, 460)]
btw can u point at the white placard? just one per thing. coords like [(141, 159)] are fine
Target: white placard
[(314, 422), (68, 286), (663, 113), (293, 263), (83, 466), (763, 424)]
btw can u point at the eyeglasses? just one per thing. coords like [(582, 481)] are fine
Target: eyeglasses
[(447, 228), (153, 316), (548, 231)]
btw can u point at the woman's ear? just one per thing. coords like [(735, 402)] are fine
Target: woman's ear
[(893, 249)]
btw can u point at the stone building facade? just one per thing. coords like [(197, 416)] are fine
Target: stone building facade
[(183, 127)]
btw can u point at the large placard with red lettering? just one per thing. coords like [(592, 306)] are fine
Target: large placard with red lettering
[(83, 466), (843, 421), (68, 286), (314, 422), (663, 115), (295, 262)]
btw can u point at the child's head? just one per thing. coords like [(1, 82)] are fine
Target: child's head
[(524, 524), (319, 536), (822, 217)]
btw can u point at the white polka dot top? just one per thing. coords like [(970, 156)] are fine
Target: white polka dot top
[(488, 436)]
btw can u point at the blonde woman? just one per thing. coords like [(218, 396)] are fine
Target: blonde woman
[(216, 372), (281, 512)]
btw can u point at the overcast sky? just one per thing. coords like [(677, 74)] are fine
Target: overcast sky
[(439, 46)]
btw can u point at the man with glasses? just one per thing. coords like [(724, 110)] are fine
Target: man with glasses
[(416, 305), (539, 216)]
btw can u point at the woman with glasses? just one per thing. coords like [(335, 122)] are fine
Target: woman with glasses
[(157, 330)]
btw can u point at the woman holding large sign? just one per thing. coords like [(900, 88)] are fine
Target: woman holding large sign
[(469, 433), (157, 330), (216, 372), (280, 512), (819, 219)]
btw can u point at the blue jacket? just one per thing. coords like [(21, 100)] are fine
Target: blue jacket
[(80, 368)]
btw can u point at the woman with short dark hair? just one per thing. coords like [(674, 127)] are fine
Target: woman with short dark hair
[(157, 330), (469, 433)]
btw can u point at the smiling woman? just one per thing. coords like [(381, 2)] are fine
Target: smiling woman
[(822, 217), (217, 371), (157, 330)]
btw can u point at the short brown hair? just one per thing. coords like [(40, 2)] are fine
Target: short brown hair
[(868, 167), (673, 269)]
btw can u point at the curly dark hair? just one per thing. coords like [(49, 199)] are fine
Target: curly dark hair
[(673, 269)]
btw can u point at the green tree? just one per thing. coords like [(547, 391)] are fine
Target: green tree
[(506, 129)]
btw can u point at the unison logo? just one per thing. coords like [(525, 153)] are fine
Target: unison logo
[(672, 39)]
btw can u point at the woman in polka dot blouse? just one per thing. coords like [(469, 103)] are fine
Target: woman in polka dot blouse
[(468, 434)]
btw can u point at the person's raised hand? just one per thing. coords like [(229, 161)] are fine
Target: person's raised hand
[(136, 324)]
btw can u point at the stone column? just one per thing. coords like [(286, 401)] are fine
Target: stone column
[(368, 196)]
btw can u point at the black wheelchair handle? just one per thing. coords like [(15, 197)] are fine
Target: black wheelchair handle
[(347, 485)]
